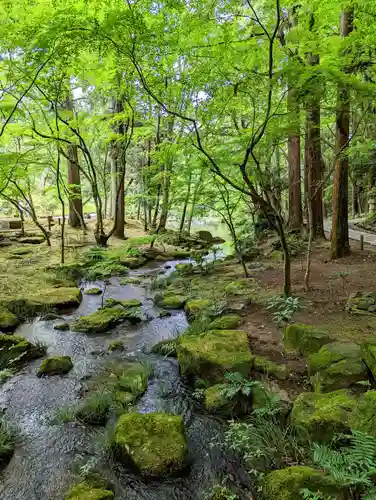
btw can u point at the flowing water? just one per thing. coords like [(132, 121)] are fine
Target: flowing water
[(45, 461)]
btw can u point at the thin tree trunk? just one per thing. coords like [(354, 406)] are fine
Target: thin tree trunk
[(186, 201), (62, 227), (340, 245), (165, 199), (193, 204)]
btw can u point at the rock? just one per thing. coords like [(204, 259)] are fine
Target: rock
[(171, 301), (242, 287), (205, 236), (368, 353), (85, 491), (133, 262), (15, 350), (304, 339), (237, 305), (336, 366), (62, 327), (323, 415), (57, 365), (363, 418), (116, 345), (50, 317), (216, 403), (105, 319), (270, 368), (180, 254), (60, 298), (130, 281), (127, 304), (5, 243), (361, 303), (154, 444), (8, 321), (212, 354), (164, 314), (196, 307), (165, 347), (184, 268), (31, 240), (93, 291), (286, 484), (226, 322), (162, 258)]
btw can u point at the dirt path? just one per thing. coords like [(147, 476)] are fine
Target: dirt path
[(354, 234)]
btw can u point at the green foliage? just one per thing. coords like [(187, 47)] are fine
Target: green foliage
[(8, 437), (283, 308), (236, 385)]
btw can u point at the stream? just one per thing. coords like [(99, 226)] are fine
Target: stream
[(45, 463)]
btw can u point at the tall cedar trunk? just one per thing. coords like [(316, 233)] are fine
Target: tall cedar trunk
[(76, 218), (313, 158), (295, 195), (356, 199), (118, 173), (340, 245)]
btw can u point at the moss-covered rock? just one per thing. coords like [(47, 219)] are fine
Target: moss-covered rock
[(103, 320), (133, 262), (240, 287), (226, 322), (154, 444), (165, 347), (15, 350), (276, 370), (93, 291), (286, 484), (171, 301), (336, 366), (85, 491), (216, 403), (304, 339), (368, 353), (362, 303), (8, 321), (127, 304), (184, 268), (212, 354), (323, 415), (51, 317), (57, 365), (364, 416), (59, 298), (62, 327), (197, 307), (130, 281), (116, 345)]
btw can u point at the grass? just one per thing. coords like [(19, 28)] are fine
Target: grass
[(5, 375), (8, 437)]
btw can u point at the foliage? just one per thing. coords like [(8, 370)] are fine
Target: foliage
[(237, 385), (283, 308), (8, 437)]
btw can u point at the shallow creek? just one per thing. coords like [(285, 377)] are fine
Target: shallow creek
[(45, 461)]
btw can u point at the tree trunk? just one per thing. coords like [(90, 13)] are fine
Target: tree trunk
[(356, 199), (165, 199), (313, 158), (76, 218), (186, 201), (118, 173), (340, 245)]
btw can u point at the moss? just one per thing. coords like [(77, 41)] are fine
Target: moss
[(216, 403), (127, 304), (323, 415), (62, 327), (166, 347), (212, 354), (130, 281), (276, 370), (15, 350), (57, 365), (336, 366), (133, 262), (116, 345), (93, 291), (171, 301), (226, 322), (180, 254), (364, 416), (105, 269), (361, 303), (305, 339), (184, 268), (368, 353), (8, 321), (154, 443), (286, 484), (103, 320), (84, 491), (196, 307)]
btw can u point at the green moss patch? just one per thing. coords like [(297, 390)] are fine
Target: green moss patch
[(216, 403), (210, 355), (368, 353), (85, 491), (8, 321), (336, 366), (323, 415), (105, 319), (130, 281), (166, 348), (58, 365), (14, 351), (197, 307), (154, 444), (364, 416), (127, 304), (286, 484), (276, 370), (226, 322), (62, 327), (93, 291), (304, 339), (171, 301)]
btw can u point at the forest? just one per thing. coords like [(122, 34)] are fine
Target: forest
[(187, 250)]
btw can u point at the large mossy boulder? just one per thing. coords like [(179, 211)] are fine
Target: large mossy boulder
[(362, 303), (61, 298), (323, 415), (8, 321), (368, 353), (304, 339), (154, 444), (226, 322), (270, 368), (15, 350), (286, 484), (336, 366), (57, 365), (212, 354), (127, 304), (197, 307), (93, 291), (85, 491), (364, 416), (171, 301), (105, 319)]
